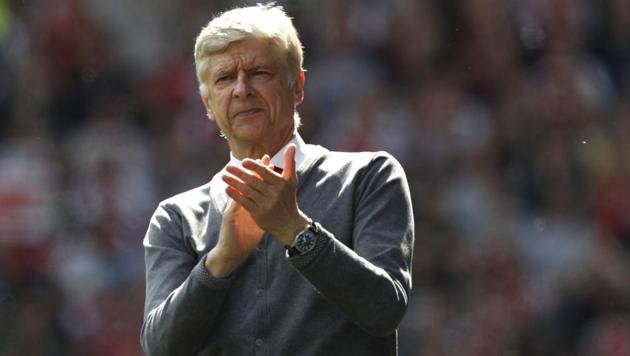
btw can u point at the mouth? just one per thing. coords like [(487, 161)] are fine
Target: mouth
[(248, 112)]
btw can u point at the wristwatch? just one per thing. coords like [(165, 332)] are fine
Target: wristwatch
[(304, 241)]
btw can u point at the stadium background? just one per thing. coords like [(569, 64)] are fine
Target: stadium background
[(512, 119)]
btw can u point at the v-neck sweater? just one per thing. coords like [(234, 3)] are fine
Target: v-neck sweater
[(344, 297)]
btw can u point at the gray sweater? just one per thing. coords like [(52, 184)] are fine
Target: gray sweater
[(344, 297)]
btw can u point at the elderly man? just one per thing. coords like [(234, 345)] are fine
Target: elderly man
[(291, 249)]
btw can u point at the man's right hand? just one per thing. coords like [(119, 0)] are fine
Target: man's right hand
[(238, 238)]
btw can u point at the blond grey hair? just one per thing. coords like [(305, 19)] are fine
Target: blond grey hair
[(266, 21)]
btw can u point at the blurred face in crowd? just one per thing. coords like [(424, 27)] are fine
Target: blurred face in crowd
[(250, 97)]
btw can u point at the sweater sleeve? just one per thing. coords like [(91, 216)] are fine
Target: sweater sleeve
[(372, 280), (182, 298)]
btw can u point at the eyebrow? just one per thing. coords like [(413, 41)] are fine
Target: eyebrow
[(260, 66), (229, 69), (221, 72)]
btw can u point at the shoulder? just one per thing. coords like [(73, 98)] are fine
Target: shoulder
[(192, 204), (355, 168), (357, 161), (189, 198)]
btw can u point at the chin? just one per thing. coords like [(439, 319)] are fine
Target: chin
[(251, 135), (251, 128)]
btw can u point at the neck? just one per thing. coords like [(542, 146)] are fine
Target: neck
[(256, 150)]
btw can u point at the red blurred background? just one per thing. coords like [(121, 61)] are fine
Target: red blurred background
[(511, 118)]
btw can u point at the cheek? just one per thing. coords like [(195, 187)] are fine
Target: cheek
[(219, 102), (281, 96)]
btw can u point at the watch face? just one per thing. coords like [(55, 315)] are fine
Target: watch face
[(305, 241)]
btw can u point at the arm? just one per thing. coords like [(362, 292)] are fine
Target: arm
[(182, 299), (372, 281)]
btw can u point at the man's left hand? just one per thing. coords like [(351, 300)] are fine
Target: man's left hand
[(269, 197)]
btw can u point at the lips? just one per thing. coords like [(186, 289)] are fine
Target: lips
[(247, 112)]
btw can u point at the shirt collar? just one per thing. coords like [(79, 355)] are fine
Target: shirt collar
[(278, 159)]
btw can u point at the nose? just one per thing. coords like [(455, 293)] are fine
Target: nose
[(242, 88)]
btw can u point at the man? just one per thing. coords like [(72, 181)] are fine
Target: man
[(291, 249)]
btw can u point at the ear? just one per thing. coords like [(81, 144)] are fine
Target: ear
[(206, 104), (298, 88)]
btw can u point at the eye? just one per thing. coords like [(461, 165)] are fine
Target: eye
[(260, 73), (221, 77)]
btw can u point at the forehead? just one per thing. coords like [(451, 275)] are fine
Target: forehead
[(247, 53)]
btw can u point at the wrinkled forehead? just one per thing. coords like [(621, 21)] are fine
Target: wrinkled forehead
[(247, 53)]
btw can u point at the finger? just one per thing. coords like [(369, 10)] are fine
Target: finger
[(231, 207), (248, 176), (243, 188), (289, 163), (240, 199), (263, 171), (266, 159)]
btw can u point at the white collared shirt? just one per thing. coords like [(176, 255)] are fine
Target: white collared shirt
[(278, 159)]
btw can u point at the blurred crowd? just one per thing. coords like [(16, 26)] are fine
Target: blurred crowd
[(511, 118)]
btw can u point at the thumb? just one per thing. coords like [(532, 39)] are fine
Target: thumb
[(289, 163), (266, 159)]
